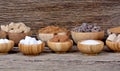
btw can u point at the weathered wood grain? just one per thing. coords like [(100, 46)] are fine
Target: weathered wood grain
[(71, 61), (64, 13)]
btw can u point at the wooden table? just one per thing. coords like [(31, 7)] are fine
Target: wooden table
[(49, 61)]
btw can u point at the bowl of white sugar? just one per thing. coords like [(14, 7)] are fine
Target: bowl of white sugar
[(31, 46), (90, 47), (6, 45)]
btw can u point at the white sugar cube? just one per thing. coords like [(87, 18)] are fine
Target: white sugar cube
[(29, 41), (33, 42), (112, 37), (39, 42), (22, 41), (33, 39), (6, 40), (26, 42), (1, 41), (27, 38)]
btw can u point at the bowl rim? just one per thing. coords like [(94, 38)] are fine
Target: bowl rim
[(88, 32), (54, 33), (112, 30), (30, 32), (9, 41), (112, 42), (31, 44), (70, 40), (101, 42)]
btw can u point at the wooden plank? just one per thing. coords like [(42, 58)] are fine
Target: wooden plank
[(64, 13)]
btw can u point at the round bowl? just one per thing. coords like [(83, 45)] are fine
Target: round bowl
[(115, 30), (6, 47), (115, 46), (34, 49), (90, 49), (60, 47), (3, 34), (47, 36), (16, 37), (78, 36)]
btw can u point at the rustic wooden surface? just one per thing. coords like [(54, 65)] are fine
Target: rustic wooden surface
[(64, 13), (70, 61)]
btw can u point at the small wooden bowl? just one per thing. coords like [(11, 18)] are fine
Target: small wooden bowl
[(47, 36), (78, 36), (3, 34), (115, 46), (16, 37), (90, 49), (60, 47), (6, 47), (34, 49)]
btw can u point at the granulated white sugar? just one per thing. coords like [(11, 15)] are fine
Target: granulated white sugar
[(29, 40), (90, 42), (4, 40)]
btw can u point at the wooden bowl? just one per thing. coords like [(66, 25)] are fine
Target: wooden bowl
[(3, 34), (34, 49), (6, 47), (16, 37), (60, 47), (47, 36), (115, 46), (90, 49), (78, 36), (115, 30)]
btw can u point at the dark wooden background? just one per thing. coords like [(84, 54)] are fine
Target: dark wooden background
[(63, 13)]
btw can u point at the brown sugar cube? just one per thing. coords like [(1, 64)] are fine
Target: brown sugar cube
[(108, 32), (3, 34), (55, 39), (15, 31), (12, 31), (4, 28), (112, 37), (18, 31), (117, 39), (27, 29), (17, 25), (22, 28), (13, 26), (22, 24)]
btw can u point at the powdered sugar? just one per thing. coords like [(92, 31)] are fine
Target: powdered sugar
[(90, 42)]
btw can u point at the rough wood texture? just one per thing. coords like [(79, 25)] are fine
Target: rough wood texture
[(64, 13), (71, 61)]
